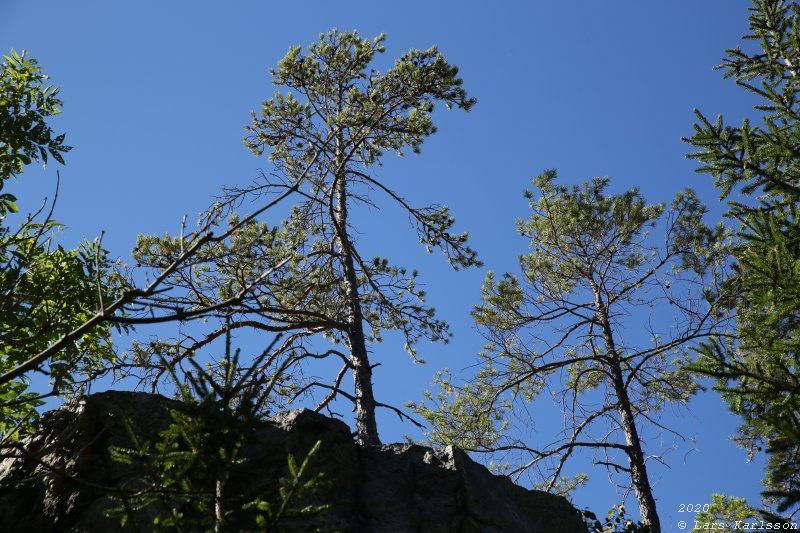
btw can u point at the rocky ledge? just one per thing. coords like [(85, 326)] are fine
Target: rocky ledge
[(58, 479)]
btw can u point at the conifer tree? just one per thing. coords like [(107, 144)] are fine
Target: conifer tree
[(336, 119), (306, 276), (572, 324), (758, 368)]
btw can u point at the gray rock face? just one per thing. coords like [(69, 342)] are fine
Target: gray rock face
[(59, 479)]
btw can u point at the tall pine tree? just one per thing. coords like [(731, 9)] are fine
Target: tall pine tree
[(338, 117), (569, 325)]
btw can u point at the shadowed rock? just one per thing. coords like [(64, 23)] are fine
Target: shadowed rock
[(59, 478)]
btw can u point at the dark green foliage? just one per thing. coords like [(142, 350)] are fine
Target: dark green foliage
[(198, 476), (758, 370), (26, 102), (45, 290), (48, 291), (291, 488)]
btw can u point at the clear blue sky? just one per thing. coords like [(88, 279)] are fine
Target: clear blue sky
[(156, 94)]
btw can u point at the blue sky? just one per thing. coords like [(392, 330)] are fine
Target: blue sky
[(156, 95)]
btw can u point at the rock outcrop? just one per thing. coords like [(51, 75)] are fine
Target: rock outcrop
[(59, 478)]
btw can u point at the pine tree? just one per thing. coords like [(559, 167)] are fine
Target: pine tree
[(567, 325), (338, 117), (306, 276)]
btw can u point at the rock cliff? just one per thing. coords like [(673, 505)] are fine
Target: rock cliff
[(59, 478)]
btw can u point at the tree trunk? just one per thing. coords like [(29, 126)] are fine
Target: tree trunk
[(638, 468), (639, 479), (219, 507), (366, 426)]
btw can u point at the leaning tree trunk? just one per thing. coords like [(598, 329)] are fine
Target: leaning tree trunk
[(639, 479), (366, 426), (636, 461)]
